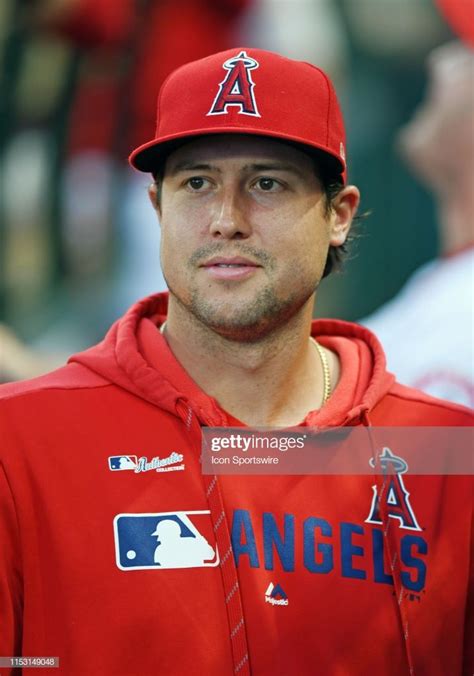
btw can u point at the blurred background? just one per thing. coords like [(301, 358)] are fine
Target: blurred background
[(78, 81)]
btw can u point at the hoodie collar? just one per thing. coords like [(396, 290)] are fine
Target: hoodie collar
[(364, 377), (135, 356)]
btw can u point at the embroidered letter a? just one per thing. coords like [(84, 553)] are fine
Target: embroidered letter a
[(396, 499), (236, 89)]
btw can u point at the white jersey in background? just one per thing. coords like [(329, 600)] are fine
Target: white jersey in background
[(428, 329)]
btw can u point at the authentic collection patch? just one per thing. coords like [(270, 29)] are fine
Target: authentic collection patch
[(171, 463)]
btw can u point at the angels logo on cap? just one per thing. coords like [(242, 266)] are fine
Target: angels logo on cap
[(236, 89), (246, 90)]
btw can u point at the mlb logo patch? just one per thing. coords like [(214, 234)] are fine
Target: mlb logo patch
[(119, 463), (164, 540)]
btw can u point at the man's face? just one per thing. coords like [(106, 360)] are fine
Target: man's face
[(245, 233)]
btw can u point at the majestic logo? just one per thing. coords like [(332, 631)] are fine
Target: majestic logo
[(164, 540), (137, 465), (396, 498), (236, 89), (275, 595)]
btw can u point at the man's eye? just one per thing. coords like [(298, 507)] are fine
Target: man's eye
[(196, 183), (268, 184)]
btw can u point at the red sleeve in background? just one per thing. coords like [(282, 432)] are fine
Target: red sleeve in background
[(459, 14), (176, 32), (92, 23), (129, 48)]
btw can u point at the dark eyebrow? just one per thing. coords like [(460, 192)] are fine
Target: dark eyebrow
[(273, 166), (191, 166), (264, 166)]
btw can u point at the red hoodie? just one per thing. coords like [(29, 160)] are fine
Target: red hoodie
[(120, 557)]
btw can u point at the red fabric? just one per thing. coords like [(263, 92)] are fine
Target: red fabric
[(173, 34), (460, 16), (92, 23), (64, 593), (249, 91), (356, 370), (88, 129), (135, 45)]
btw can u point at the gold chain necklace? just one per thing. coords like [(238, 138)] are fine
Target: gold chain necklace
[(326, 372), (324, 364)]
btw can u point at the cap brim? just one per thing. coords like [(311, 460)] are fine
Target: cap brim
[(150, 156)]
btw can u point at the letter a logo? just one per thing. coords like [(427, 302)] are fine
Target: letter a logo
[(396, 497), (236, 89)]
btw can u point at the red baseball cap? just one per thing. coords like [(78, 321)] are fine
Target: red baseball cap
[(248, 91)]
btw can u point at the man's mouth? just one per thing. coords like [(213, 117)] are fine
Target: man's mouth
[(229, 265), (235, 261), (234, 267)]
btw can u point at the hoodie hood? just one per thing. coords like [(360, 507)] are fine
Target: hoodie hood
[(135, 356)]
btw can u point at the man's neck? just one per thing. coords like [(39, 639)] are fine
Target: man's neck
[(456, 216), (276, 381)]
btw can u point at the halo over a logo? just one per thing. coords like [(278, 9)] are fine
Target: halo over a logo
[(395, 498), (236, 89)]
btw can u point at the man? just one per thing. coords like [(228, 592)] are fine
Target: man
[(307, 574), (438, 144)]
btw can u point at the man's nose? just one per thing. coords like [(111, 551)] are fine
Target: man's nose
[(229, 218)]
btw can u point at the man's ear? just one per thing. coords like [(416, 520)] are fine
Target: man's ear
[(343, 211), (153, 194)]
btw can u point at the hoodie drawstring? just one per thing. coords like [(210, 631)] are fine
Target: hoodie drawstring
[(230, 580), (233, 598), (391, 545)]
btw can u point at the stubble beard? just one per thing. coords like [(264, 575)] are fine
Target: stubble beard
[(250, 321)]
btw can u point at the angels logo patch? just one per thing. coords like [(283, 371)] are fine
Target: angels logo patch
[(236, 89), (164, 540), (395, 497)]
